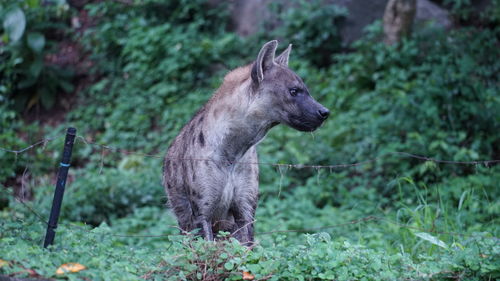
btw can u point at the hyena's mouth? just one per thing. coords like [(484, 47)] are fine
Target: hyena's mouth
[(309, 116), (305, 125)]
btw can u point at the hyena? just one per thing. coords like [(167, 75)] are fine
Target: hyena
[(210, 171)]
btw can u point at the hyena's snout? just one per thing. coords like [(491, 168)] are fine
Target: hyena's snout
[(311, 115), (323, 113)]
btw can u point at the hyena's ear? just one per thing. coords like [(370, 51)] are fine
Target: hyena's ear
[(283, 58), (264, 61)]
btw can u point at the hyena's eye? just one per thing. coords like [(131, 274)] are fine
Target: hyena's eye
[(293, 91)]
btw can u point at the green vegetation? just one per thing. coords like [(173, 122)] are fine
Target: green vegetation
[(435, 94), (30, 32)]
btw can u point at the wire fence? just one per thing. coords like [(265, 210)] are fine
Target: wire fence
[(370, 218), (43, 142)]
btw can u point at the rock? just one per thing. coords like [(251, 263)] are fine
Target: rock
[(361, 14), (247, 16), (428, 11)]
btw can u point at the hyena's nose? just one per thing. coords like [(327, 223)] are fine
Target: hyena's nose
[(323, 113)]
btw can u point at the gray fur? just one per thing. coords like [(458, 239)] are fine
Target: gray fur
[(210, 171)]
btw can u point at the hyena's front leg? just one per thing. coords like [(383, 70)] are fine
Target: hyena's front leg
[(243, 214), (206, 229), (189, 215), (245, 202), (207, 204)]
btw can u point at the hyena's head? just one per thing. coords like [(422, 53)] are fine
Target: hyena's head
[(282, 93)]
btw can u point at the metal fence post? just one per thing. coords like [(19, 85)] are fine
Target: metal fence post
[(60, 184)]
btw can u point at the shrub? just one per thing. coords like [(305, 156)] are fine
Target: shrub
[(151, 67), (391, 218), (313, 27), (425, 97), (29, 28), (101, 195), (464, 12), (317, 257), (16, 135)]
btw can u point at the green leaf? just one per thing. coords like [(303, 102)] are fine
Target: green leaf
[(14, 24), (432, 239), (463, 197), (33, 3), (36, 41), (66, 86), (35, 68), (28, 82), (47, 98), (228, 265)]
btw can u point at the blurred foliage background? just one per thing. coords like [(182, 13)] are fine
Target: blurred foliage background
[(130, 74)]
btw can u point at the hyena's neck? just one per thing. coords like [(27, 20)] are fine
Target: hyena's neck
[(236, 123)]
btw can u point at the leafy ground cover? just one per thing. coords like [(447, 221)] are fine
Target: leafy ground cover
[(393, 217)]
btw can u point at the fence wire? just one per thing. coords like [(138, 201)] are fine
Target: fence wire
[(370, 218), (44, 141), (487, 163)]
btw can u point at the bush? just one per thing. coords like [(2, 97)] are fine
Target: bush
[(391, 218), (9, 138), (150, 68), (464, 12), (16, 135), (424, 97), (313, 27), (101, 195), (318, 257), (28, 35)]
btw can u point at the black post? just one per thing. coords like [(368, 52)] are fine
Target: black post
[(61, 182)]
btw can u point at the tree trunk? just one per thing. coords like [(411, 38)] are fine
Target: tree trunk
[(398, 19)]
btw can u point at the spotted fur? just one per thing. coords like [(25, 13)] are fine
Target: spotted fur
[(210, 171)]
